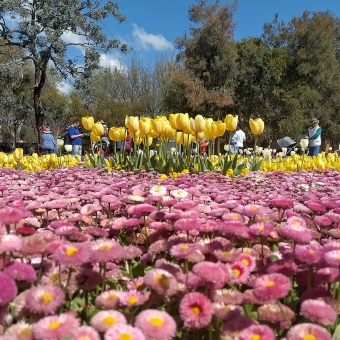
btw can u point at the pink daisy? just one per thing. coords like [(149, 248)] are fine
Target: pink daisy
[(10, 215), (156, 324), (161, 281), (258, 332), (182, 250), (8, 289), (123, 332), (105, 319), (185, 224), (9, 243), (247, 260), (20, 331), (238, 272), (108, 299), (311, 253), (211, 272), (318, 311), (297, 233), (133, 298), (225, 312), (227, 296), (44, 299), (104, 250), (21, 271), (195, 310), (135, 284), (261, 229), (55, 327), (71, 254), (332, 258), (271, 287), (306, 331), (85, 333)]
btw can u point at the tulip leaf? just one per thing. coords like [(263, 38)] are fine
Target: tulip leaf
[(234, 161), (227, 165), (238, 169), (255, 166), (336, 334)]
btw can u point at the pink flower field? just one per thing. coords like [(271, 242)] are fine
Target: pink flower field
[(88, 254)]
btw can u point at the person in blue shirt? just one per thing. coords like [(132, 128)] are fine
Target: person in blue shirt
[(76, 138), (314, 137), (48, 142)]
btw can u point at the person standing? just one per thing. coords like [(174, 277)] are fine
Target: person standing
[(75, 138), (240, 137), (314, 137), (49, 144)]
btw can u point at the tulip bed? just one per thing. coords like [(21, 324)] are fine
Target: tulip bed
[(92, 254)]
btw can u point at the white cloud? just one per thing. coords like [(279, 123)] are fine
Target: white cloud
[(147, 41), (110, 60), (64, 87), (71, 38)]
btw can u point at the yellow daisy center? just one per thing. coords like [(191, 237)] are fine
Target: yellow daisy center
[(261, 228), (196, 310), (226, 308), (237, 272), (235, 217), (109, 320), (311, 251), (105, 247), (46, 298), (54, 278), (26, 331), (296, 223), (270, 284), (156, 322), (254, 207), (84, 338), (138, 284), (255, 337), (120, 223), (184, 247), (226, 253), (54, 325), (133, 299), (111, 297), (309, 337), (245, 262), (125, 336), (71, 251)]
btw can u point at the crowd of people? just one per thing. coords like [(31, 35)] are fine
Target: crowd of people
[(74, 138)]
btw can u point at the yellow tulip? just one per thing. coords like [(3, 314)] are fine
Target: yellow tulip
[(147, 141), (231, 122), (173, 120), (87, 122), (218, 128), (179, 137), (98, 129), (197, 124), (168, 131), (95, 138), (121, 133), (256, 126), (187, 139), (137, 140), (182, 121), (132, 123), (208, 131), (200, 136), (114, 134), (157, 125), (153, 134), (18, 154), (145, 125)]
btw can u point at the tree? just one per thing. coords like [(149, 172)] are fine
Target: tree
[(208, 56), (41, 30)]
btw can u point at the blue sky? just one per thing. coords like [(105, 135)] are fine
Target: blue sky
[(152, 25)]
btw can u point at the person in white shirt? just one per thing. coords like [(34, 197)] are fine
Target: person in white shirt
[(240, 137)]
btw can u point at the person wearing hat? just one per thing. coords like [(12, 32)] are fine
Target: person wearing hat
[(314, 137), (48, 142)]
